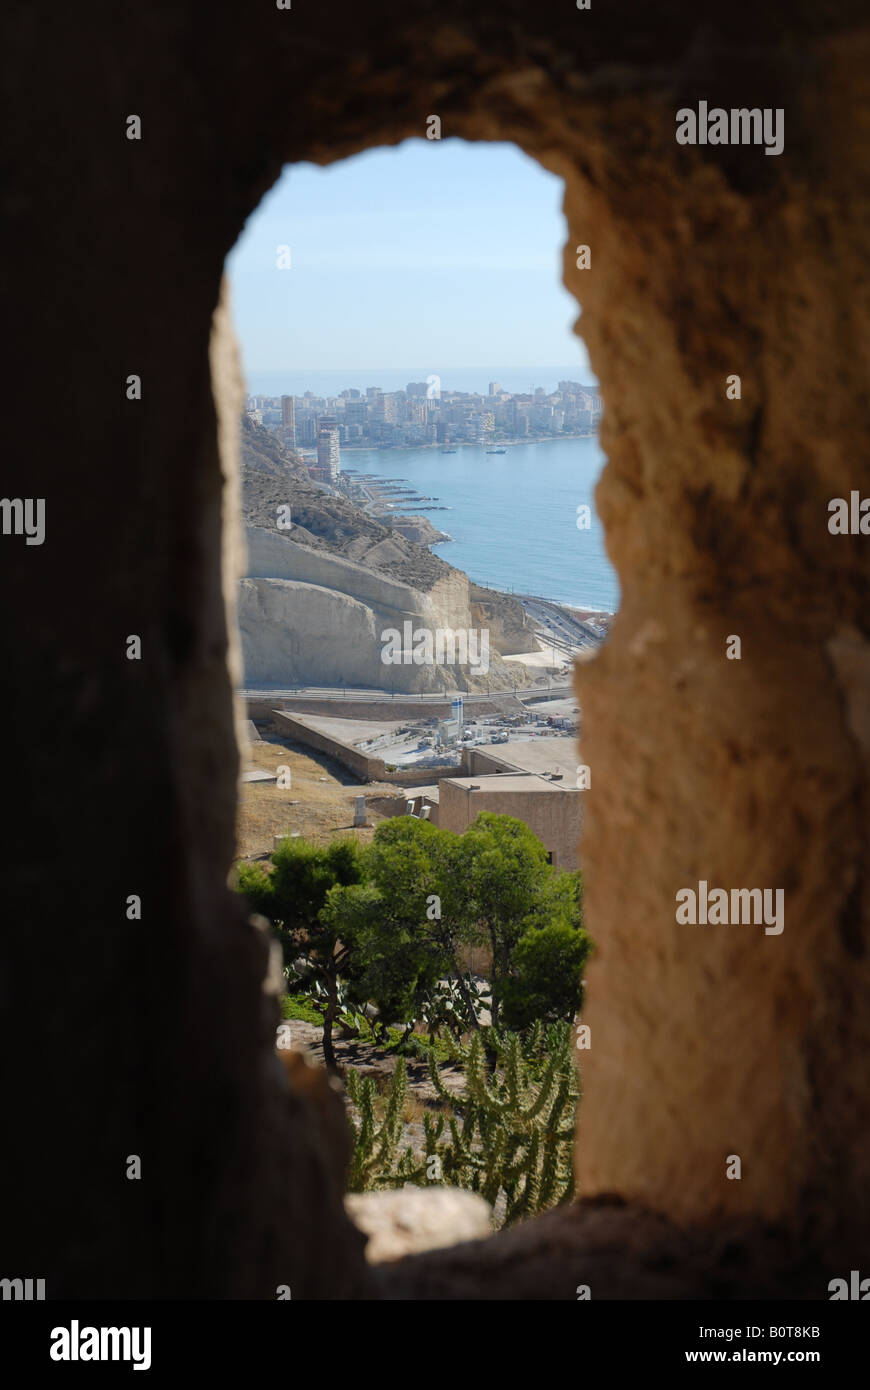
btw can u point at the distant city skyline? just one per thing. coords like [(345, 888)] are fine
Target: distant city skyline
[(329, 383), (428, 253), (423, 413)]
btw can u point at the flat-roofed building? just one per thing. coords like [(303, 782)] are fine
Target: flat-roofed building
[(551, 809)]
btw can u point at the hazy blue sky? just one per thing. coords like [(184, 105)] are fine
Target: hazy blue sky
[(437, 252)]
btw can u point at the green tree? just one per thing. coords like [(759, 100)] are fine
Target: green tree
[(293, 897), (549, 959), (419, 861), (504, 875), (394, 922), (560, 901), (546, 980)]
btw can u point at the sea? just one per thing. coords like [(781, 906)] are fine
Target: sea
[(512, 517)]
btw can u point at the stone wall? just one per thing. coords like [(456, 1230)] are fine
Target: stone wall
[(366, 767), (706, 261)]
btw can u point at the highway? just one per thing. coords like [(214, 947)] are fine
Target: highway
[(323, 692), (567, 632)]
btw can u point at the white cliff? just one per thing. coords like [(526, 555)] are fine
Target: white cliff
[(311, 617)]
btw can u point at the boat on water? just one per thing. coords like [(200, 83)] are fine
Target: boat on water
[(448, 451), (496, 451)]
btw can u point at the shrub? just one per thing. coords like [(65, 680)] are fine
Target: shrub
[(547, 975)]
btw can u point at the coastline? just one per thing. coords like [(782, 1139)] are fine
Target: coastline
[(367, 492), (582, 611), (462, 443)]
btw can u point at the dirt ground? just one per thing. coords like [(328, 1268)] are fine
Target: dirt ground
[(318, 803), (369, 1060)]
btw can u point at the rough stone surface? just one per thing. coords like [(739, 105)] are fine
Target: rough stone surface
[(605, 1248), (411, 1219), (705, 261)]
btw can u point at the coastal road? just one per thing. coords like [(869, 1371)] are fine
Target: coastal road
[(568, 631), (325, 692)]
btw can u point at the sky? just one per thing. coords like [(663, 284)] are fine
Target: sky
[(440, 252)]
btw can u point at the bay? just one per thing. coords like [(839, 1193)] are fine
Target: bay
[(513, 516)]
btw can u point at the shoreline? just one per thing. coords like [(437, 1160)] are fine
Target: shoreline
[(459, 444), (581, 611)]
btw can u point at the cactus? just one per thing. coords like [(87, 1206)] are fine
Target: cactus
[(509, 1134), (374, 1149)]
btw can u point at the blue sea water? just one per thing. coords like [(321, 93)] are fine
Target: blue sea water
[(513, 516)]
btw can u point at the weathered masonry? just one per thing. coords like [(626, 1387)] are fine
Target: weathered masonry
[(705, 262)]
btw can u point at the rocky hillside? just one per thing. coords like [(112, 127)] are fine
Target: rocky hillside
[(273, 475), (317, 598)]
